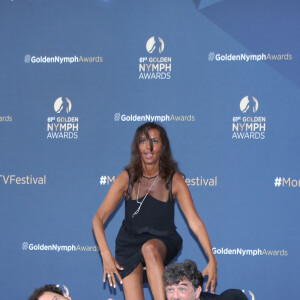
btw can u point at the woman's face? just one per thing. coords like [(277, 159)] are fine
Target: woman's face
[(148, 156)]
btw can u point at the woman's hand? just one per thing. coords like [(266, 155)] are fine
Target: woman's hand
[(110, 269), (211, 272)]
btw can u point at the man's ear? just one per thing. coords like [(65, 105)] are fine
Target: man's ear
[(198, 292)]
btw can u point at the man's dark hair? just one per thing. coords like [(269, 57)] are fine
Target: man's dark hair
[(177, 272), (46, 288)]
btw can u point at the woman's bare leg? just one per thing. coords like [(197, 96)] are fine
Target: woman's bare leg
[(154, 252), (133, 284)]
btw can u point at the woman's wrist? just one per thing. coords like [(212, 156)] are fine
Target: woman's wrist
[(212, 259), (104, 251)]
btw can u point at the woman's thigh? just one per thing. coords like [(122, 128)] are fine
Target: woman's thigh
[(133, 284)]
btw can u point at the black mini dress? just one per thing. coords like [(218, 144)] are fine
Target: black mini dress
[(153, 219)]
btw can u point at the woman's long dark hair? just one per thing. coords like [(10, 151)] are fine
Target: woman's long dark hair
[(167, 165)]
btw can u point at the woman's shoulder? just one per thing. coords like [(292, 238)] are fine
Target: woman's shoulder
[(122, 180), (178, 177), (124, 175), (178, 182)]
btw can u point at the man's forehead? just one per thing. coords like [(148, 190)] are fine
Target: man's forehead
[(51, 296), (184, 282)]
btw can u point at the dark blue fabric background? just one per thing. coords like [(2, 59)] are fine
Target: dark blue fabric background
[(244, 210)]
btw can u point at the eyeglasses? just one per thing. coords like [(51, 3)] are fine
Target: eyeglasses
[(64, 289)]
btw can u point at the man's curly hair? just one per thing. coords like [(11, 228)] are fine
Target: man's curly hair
[(46, 288), (177, 272)]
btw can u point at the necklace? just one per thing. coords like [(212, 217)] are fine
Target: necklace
[(137, 196), (149, 177)]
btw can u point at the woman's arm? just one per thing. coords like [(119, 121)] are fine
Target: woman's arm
[(113, 197), (181, 191)]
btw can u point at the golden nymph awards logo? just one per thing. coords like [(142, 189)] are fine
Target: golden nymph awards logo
[(62, 126), (249, 126), (155, 66)]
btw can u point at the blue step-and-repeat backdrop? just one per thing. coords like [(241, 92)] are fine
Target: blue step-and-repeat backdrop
[(78, 77)]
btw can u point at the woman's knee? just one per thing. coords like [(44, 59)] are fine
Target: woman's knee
[(153, 252)]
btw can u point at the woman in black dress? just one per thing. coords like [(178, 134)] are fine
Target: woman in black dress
[(148, 239)]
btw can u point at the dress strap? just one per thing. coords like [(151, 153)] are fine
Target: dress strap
[(129, 184), (170, 187)]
